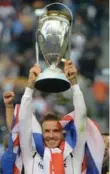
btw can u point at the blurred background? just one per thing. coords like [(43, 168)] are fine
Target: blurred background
[(89, 52)]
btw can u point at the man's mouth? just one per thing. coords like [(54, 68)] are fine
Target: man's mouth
[(51, 141)]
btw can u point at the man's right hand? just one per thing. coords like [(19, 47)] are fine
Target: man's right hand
[(33, 74), (8, 98)]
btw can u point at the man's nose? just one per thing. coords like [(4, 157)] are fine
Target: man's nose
[(51, 134)]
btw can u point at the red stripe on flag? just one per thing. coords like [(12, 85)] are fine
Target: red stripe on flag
[(84, 165), (67, 118), (16, 142), (16, 170)]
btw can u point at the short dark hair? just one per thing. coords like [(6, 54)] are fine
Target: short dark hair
[(49, 117)]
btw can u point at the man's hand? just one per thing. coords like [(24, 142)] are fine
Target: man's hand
[(33, 74), (70, 72), (8, 98)]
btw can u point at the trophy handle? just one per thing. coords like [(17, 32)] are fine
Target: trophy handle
[(58, 3), (37, 52)]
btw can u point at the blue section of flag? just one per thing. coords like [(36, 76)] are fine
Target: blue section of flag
[(71, 136), (38, 139), (91, 166), (8, 159)]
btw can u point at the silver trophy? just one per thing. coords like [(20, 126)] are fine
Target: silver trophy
[(54, 39)]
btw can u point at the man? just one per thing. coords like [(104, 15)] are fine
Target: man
[(53, 153)]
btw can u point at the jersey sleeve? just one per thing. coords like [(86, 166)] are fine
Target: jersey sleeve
[(80, 124), (25, 129)]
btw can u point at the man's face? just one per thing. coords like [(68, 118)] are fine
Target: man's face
[(52, 133)]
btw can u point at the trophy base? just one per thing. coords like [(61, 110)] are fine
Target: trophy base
[(52, 81)]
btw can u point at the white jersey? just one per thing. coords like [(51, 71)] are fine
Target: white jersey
[(34, 165)]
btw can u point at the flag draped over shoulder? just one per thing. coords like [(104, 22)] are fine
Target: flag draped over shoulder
[(94, 147), (11, 160)]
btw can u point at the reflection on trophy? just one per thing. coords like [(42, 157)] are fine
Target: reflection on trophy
[(53, 38)]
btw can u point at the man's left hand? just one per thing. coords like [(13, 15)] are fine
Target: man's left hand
[(70, 72)]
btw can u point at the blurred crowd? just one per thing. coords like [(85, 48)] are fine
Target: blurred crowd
[(18, 24)]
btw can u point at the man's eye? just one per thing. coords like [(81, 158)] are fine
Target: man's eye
[(47, 130), (56, 130)]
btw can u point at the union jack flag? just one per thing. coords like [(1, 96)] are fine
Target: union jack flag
[(94, 147)]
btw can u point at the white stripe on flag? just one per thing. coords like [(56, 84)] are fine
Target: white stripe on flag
[(36, 128), (95, 143)]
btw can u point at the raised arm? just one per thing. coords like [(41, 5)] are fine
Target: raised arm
[(8, 98), (80, 116), (25, 116), (78, 99)]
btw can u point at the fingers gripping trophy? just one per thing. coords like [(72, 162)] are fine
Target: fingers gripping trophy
[(53, 37)]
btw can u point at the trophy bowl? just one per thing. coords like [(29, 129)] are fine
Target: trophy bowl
[(53, 36)]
